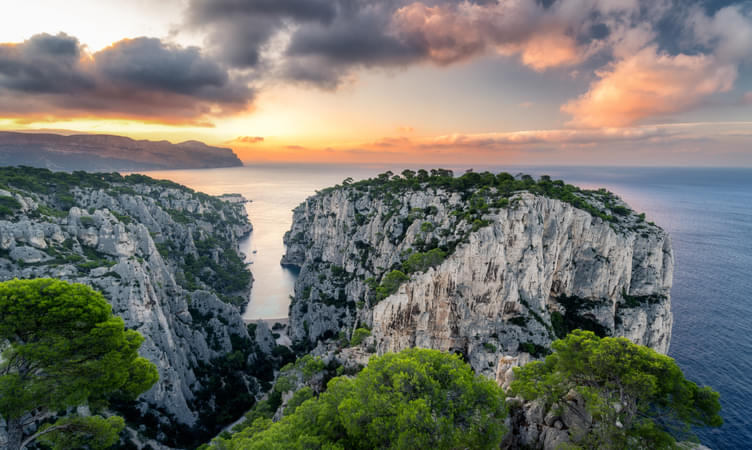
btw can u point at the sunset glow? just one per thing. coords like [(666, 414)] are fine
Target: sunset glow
[(456, 82)]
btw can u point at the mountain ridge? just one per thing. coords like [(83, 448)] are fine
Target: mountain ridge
[(108, 152)]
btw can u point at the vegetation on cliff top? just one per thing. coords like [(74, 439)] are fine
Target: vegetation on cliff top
[(487, 190), (63, 348)]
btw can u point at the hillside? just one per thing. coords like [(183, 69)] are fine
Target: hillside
[(166, 258), (108, 153)]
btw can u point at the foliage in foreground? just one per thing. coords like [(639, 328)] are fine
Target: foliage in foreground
[(637, 397), (414, 399), (62, 348)]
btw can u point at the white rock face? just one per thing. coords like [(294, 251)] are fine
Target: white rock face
[(530, 272), (110, 242), (522, 264)]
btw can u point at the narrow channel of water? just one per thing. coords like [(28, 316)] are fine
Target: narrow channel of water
[(273, 192)]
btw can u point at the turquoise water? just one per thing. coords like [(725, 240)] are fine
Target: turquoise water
[(708, 213)]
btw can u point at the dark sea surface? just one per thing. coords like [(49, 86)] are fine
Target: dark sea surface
[(707, 211)]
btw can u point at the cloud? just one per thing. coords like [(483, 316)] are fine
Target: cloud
[(142, 78), (650, 84), (248, 140), (630, 53), (238, 30), (536, 138), (322, 42), (715, 143), (645, 82), (326, 42), (454, 32)]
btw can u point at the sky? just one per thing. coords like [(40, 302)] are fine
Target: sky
[(556, 82)]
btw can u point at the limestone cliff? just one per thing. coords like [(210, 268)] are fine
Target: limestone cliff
[(492, 267), (165, 258)]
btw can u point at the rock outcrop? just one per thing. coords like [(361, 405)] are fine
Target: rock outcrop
[(153, 248), (108, 153), (493, 274)]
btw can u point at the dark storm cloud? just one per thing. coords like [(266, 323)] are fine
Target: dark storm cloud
[(149, 63), (143, 77), (327, 37), (239, 29), (210, 10), (688, 51), (323, 54), (327, 40), (43, 64)]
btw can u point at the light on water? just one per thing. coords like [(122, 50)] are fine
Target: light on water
[(274, 191)]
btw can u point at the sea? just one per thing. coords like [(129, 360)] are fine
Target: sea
[(707, 212)]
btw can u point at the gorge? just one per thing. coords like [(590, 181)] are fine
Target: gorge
[(492, 267)]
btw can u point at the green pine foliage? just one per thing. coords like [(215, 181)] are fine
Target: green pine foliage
[(359, 335), (390, 284), (599, 203), (637, 397), (413, 399), (63, 348)]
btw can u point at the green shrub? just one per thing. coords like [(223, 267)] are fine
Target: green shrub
[(414, 399), (359, 336), (390, 284), (420, 262), (637, 398), (534, 349), (86, 221), (8, 206), (297, 399)]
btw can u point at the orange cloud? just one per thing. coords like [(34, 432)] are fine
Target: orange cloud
[(545, 51), (248, 139), (649, 84), (448, 34), (656, 143), (452, 33)]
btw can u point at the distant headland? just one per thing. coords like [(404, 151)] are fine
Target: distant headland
[(100, 152)]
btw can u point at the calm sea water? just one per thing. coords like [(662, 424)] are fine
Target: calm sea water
[(708, 213)]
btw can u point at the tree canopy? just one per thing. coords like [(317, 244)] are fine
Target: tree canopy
[(637, 398), (414, 399), (61, 347)]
